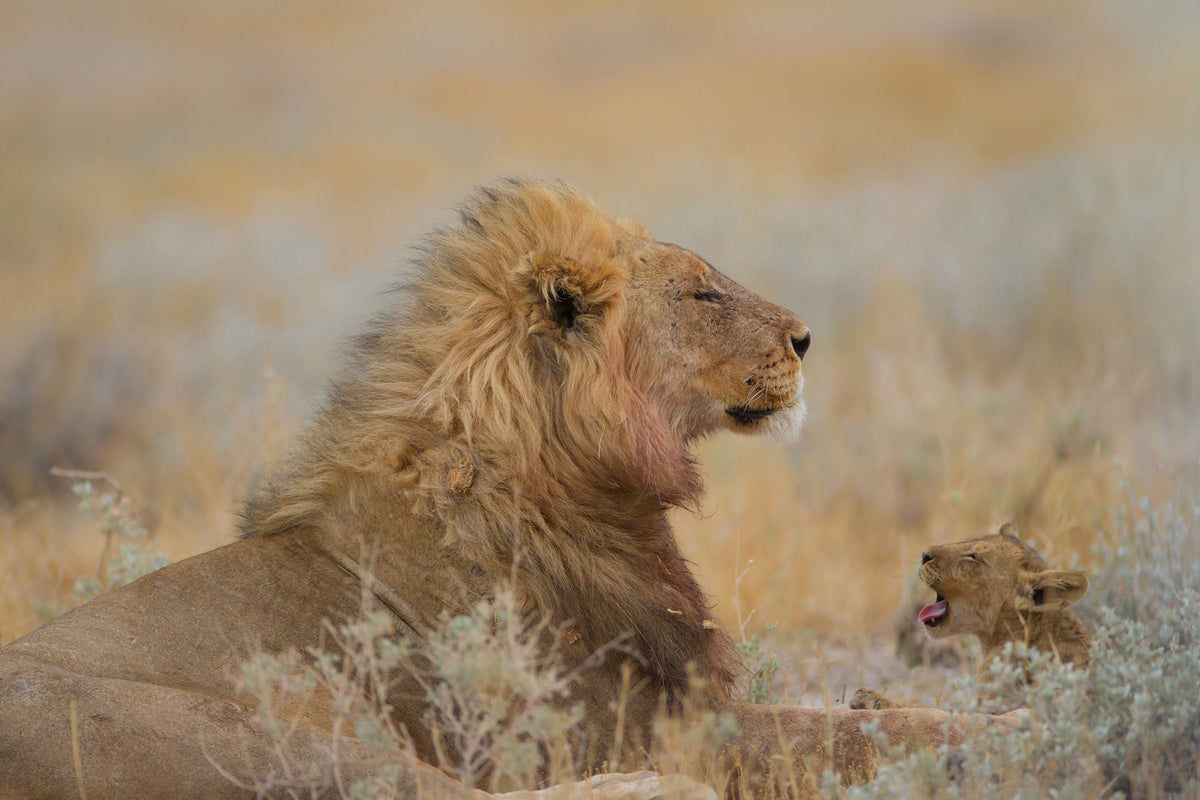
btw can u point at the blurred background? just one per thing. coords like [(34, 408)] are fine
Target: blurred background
[(987, 211)]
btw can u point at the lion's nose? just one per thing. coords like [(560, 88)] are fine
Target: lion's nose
[(800, 344), (925, 558)]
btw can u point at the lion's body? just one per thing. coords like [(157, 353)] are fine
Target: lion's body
[(522, 416), (998, 589), (150, 666)]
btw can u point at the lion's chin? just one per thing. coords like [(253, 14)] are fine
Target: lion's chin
[(785, 425)]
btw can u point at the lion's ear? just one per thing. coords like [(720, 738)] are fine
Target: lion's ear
[(1056, 588), (560, 295)]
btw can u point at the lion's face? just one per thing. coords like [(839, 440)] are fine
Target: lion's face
[(717, 354), (978, 579), (612, 350), (703, 351)]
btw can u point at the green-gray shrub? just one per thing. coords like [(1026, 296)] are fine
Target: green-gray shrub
[(761, 666), (1148, 559), (496, 696), (116, 520)]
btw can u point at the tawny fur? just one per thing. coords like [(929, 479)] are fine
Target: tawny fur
[(1000, 590), (576, 462)]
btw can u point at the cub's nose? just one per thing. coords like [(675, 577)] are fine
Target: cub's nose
[(800, 344), (925, 557)]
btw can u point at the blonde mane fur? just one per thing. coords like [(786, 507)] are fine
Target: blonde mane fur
[(572, 466)]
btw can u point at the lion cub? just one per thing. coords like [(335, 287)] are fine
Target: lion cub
[(997, 588)]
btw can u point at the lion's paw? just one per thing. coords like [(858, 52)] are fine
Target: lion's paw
[(870, 700)]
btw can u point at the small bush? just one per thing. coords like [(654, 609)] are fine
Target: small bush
[(116, 521), (761, 668), (497, 699), (761, 665), (1146, 562)]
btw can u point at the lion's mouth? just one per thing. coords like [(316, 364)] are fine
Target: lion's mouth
[(748, 416), (935, 613)]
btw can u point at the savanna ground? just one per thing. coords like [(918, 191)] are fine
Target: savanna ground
[(987, 212)]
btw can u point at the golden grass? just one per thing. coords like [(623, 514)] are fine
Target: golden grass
[(197, 203)]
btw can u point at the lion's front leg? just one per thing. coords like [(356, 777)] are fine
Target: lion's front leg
[(619, 786), (794, 746)]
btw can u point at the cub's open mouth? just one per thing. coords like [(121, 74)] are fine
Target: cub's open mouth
[(748, 415), (935, 613)]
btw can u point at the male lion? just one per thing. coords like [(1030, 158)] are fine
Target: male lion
[(522, 416), (997, 588)]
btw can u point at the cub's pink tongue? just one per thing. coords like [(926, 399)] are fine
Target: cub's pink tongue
[(933, 611)]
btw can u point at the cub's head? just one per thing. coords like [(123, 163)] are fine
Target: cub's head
[(978, 579)]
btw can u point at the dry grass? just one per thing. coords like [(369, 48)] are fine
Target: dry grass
[(986, 212)]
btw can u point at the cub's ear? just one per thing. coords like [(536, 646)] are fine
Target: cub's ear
[(1055, 589), (1009, 529), (561, 296)]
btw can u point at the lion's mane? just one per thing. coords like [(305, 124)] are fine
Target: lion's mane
[(559, 464)]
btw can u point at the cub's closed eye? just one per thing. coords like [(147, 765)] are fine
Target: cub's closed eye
[(707, 295), (973, 557)]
